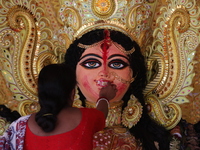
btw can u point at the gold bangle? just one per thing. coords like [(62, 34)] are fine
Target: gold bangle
[(48, 114)]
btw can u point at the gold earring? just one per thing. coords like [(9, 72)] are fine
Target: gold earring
[(77, 102), (132, 112)]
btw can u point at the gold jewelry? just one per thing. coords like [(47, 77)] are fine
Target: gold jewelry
[(90, 46), (105, 24), (47, 114), (89, 104), (121, 79), (114, 113), (128, 52), (77, 102), (132, 112)]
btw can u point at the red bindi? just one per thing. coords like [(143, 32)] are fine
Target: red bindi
[(105, 46)]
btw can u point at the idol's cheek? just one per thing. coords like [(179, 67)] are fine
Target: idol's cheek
[(122, 89), (87, 89)]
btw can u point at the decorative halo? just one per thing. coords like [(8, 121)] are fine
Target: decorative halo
[(105, 24)]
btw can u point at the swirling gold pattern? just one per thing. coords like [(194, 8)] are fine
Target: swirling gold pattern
[(167, 115), (45, 59), (28, 107), (21, 20), (171, 82), (27, 44), (171, 51), (72, 18)]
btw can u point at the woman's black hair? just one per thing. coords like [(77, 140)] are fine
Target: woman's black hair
[(8, 114), (56, 83), (146, 130)]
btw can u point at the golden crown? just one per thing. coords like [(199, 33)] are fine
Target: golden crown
[(79, 17)]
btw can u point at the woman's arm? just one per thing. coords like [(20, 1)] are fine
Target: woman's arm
[(105, 95)]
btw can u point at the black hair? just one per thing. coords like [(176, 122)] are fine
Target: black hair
[(8, 114), (146, 130), (56, 83)]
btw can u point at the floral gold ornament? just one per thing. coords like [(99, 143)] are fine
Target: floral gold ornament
[(122, 80), (132, 112), (103, 8), (117, 45), (110, 42), (77, 102)]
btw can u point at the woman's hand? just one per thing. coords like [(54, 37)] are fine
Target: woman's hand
[(108, 92), (105, 95)]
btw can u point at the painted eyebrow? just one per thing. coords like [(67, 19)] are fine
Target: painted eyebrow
[(90, 55), (117, 55)]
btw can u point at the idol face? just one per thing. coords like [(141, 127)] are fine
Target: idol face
[(97, 67)]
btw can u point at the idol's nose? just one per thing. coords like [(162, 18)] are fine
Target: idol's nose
[(104, 74)]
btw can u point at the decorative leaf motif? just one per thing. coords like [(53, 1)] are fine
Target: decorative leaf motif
[(14, 88), (7, 55), (190, 57), (185, 91), (194, 22), (189, 5), (2, 20), (188, 80), (19, 97), (44, 36), (180, 100), (6, 65), (8, 76), (190, 68), (192, 12)]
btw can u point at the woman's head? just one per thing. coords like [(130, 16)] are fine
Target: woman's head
[(97, 64), (56, 83)]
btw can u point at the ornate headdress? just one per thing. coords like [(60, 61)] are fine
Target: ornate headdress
[(133, 19), (80, 17)]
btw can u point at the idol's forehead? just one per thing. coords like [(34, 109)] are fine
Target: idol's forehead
[(113, 49)]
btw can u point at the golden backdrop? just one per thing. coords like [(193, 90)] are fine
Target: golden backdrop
[(34, 33)]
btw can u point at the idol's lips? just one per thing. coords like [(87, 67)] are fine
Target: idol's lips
[(102, 82)]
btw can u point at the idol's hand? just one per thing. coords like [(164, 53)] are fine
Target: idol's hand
[(108, 92)]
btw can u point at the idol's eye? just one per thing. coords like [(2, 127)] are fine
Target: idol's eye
[(91, 63), (117, 64)]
